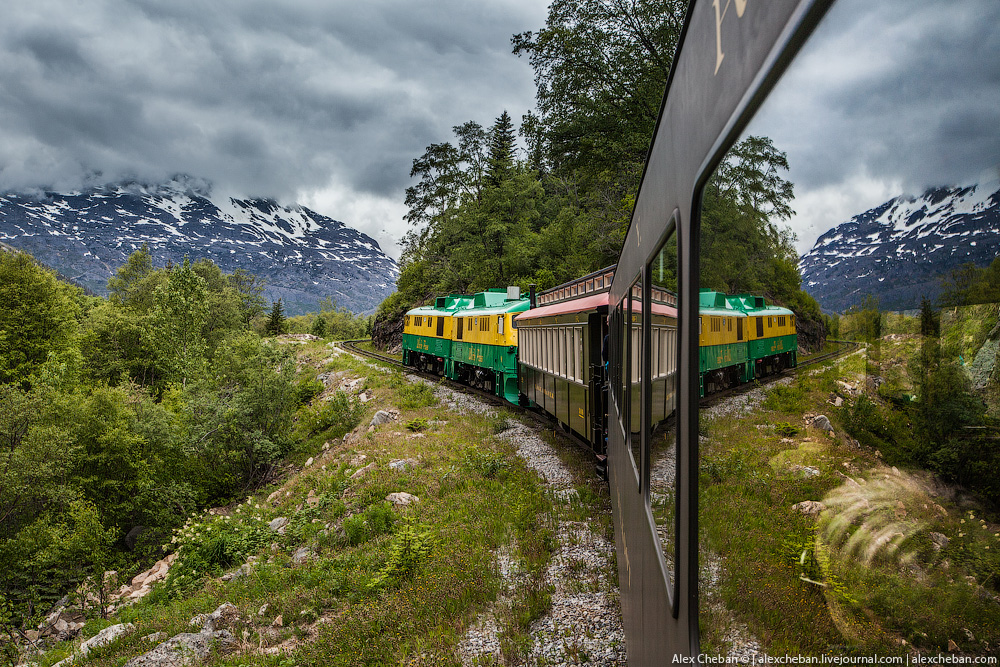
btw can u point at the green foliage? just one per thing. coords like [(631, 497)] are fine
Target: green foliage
[(250, 293), (318, 327), (412, 546), (863, 321), (277, 324), (38, 319), (412, 395), (601, 69), (491, 465), (335, 416), (930, 321), (331, 322), (307, 389), (785, 429), (133, 285), (212, 544), (417, 424), (239, 417), (180, 313), (969, 284), (377, 519), (789, 398)]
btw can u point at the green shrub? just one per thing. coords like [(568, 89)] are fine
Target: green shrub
[(335, 416), (488, 464), (786, 398), (412, 546), (307, 390), (418, 424), (377, 519), (212, 545), (785, 429)]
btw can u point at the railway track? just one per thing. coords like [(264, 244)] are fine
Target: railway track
[(843, 347), (493, 399), (541, 418), (706, 402)]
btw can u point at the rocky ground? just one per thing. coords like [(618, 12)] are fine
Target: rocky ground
[(584, 625)]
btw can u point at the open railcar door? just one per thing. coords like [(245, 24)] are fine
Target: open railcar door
[(731, 53)]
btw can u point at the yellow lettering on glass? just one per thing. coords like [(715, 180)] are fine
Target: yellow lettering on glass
[(720, 14)]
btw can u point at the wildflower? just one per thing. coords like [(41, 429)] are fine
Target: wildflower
[(961, 534), (963, 520)]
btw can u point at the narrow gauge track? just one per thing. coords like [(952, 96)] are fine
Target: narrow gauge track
[(736, 390), (542, 418), (493, 399), (706, 402)]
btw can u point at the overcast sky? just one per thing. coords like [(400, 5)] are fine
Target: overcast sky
[(887, 98), (326, 103), (323, 102)]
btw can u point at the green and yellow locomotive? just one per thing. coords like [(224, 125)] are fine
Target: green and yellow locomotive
[(471, 339)]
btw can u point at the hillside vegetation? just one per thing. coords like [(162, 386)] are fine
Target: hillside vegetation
[(121, 417)]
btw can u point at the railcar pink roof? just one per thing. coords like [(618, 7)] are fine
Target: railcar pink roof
[(584, 304), (590, 302)]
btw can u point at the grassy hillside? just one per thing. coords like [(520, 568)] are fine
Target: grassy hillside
[(324, 568)]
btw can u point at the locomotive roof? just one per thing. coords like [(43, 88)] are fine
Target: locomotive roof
[(755, 305), (506, 306), (715, 303)]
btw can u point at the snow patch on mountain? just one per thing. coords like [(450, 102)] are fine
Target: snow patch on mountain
[(302, 255), (900, 250)]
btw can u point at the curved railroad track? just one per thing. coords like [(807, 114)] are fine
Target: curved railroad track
[(708, 401)]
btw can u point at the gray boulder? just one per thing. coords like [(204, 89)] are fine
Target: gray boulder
[(821, 422), (106, 636), (382, 417), (184, 649)]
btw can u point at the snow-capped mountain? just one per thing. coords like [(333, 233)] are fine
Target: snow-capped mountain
[(899, 251), (301, 255)]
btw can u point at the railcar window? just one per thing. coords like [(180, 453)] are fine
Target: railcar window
[(623, 366), (863, 183), (500, 325), (418, 320), (634, 379), (661, 403)]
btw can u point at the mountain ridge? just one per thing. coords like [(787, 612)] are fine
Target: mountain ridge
[(302, 256), (901, 249)]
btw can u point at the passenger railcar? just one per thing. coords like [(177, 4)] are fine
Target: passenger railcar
[(560, 354)]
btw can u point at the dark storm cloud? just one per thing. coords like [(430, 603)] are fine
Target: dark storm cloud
[(907, 89), (265, 97), (903, 93)]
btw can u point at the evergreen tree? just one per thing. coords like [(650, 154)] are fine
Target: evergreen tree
[(277, 324), (500, 163), (929, 320)]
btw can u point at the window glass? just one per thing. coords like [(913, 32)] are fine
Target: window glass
[(634, 375), (662, 402), (862, 196)]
